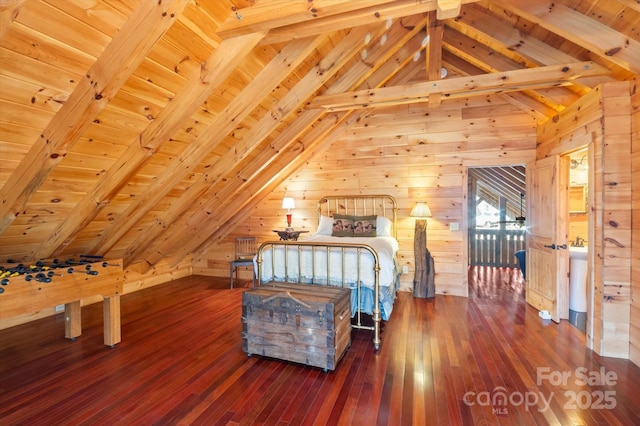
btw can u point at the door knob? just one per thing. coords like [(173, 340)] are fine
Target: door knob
[(556, 247)]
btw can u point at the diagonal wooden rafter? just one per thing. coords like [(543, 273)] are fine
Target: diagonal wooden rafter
[(486, 59), (268, 78), (267, 15), (580, 29), (454, 88), (263, 180), (310, 83), (485, 28), (263, 183), (192, 224), (289, 19), (197, 89), (267, 174), (92, 94)]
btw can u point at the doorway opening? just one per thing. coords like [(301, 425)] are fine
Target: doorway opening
[(497, 202), (578, 237)]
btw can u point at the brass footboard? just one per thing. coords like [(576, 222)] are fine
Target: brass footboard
[(279, 253)]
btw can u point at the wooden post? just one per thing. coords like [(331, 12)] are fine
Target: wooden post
[(111, 318), (72, 320), (424, 279)]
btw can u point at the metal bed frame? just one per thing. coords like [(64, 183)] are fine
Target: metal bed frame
[(380, 205)]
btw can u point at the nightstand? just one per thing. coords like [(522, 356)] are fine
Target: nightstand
[(286, 235)]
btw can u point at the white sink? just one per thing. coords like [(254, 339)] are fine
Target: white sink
[(578, 278), (578, 252)]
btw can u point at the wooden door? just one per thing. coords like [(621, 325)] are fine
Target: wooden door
[(547, 249)]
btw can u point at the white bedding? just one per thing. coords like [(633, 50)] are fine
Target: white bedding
[(386, 247)]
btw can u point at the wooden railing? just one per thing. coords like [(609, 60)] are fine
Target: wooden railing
[(495, 247)]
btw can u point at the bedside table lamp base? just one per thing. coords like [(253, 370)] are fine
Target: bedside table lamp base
[(424, 280)]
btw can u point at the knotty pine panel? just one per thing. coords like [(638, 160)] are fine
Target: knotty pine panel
[(26, 69), (25, 114), (132, 105), (96, 163), (634, 329), (104, 17), (115, 136), (198, 47), (400, 166), (98, 147), (146, 92), (176, 58), (616, 203), (160, 76), (25, 93), (67, 30), (119, 118), (21, 137), (31, 43), (558, 135)]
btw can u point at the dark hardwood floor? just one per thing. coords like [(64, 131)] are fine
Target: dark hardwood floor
[(446, 360)]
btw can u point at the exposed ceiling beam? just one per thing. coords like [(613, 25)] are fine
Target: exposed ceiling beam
[(530, 78), (266, 15), (93, 93), (198, 88), (265, 180), (485, 28), (348, 47), (486, 59), (269, 163), (226, 121), (435, 31), (580, 29), (448, 9), (287, 19)]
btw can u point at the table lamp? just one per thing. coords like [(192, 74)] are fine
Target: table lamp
[(288, 203)]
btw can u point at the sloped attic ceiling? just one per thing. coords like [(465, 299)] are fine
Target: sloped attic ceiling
[(144, 129)]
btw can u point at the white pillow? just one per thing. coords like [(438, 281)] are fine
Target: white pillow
[(325, 227), (383, 226)]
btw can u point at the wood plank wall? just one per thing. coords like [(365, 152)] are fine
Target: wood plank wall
[(579, 226), (413, 153), (602, 120), (634, 331)]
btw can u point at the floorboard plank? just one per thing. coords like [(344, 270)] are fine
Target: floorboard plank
[(442, 361)]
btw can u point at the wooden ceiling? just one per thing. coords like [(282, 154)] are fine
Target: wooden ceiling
[(127, 125)]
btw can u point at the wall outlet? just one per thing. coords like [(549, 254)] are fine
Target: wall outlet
[(454, 226), (59, 308), (405, 270)]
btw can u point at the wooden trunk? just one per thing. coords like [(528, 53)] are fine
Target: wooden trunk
[(307, 324)]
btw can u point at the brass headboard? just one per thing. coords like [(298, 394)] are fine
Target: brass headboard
[(361, 205)]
